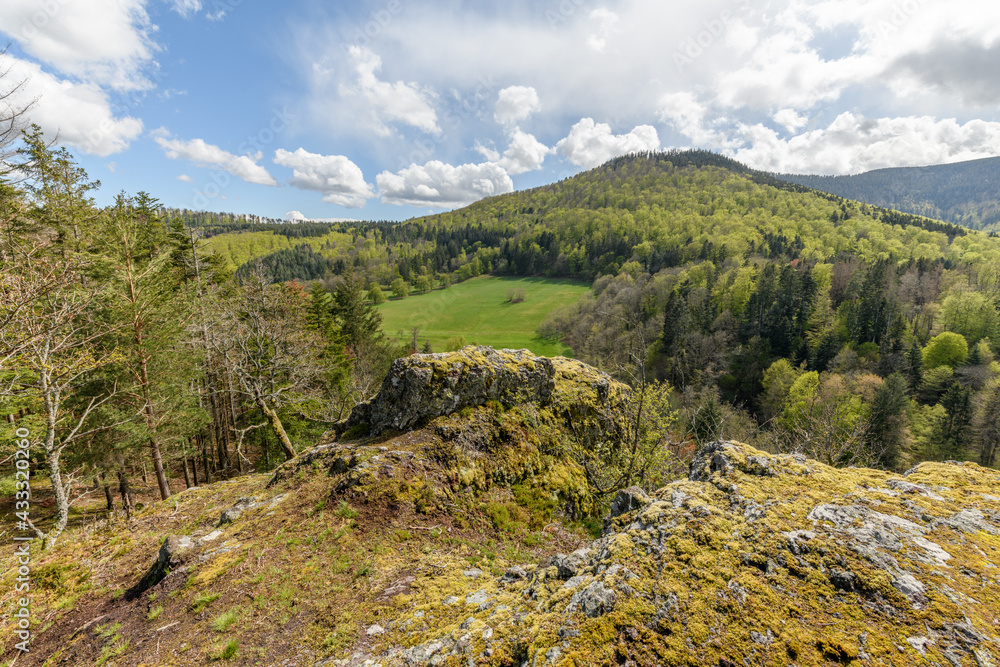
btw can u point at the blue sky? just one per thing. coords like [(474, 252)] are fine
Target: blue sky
[(395, 108)]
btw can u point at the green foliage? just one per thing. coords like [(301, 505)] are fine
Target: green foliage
[(946, 349), (345, 511), (227, 652), (225, 620), (375, 295), (400, 288), (971, 314), (202, 600)]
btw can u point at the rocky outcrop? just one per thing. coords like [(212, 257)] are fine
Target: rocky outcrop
[(423, 386), (756, 559)]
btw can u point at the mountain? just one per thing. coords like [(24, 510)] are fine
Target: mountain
[(442, 524), (964, 193), (660, 210)]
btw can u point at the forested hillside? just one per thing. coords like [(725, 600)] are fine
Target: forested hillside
[(965, 193), (792, 319)]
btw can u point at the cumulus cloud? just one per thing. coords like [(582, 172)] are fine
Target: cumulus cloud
[(335, 176), (790, 120), (590, 144), (79, 113), (186, 8), (440, 185), (525, 153), (185, 178), (853, 144), (105, 42), (516, 103), (204, 154), (295, 216), (398, 102)]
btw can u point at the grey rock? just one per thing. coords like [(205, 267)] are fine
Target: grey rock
[(571, 565), (239, 507), (375, 630), (431, 385), (903, 486), (593, 601), (472, 573), (969, 521), (477, 598), (513, 574), (843, 580), (629, 499)]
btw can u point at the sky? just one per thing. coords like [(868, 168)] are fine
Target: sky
[(392, 109)]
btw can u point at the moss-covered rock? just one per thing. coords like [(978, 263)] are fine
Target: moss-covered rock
[(756, 559), (423, 386)]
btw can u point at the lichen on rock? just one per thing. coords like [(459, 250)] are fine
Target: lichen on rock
[(829, 569)]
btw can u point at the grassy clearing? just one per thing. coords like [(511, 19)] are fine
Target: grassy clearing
[(478, 312)]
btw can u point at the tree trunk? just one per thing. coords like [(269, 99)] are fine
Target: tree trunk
[(204, 460), (187, 477), (107, 491), (279, 430), (126, 493), (52, 453), (194, 469)]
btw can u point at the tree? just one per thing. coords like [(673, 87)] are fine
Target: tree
[(886, 429), (946, 349), (358, 320), (971, 314), (265, 337), (400, 288), (987, 423), (375, 294), (49, 357), (953, 433), (137, 253)]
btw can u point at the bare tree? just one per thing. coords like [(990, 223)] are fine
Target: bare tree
[(48, 353), (263, 335)]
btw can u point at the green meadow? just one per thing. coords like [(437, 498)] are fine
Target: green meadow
[(477, 312)]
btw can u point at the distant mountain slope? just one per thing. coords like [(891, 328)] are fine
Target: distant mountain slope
[(965, 193)]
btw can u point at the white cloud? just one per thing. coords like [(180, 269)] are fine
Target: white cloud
[(186, 8), (853, 144), (525, 153), (79, 113), (684, 112), (590, 144), (335, 176), (790, 120), (607, 21), (296, 216), (440, 185), (107, 42), (398, 102), (185, 178), (516, 103), (207, 155)]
